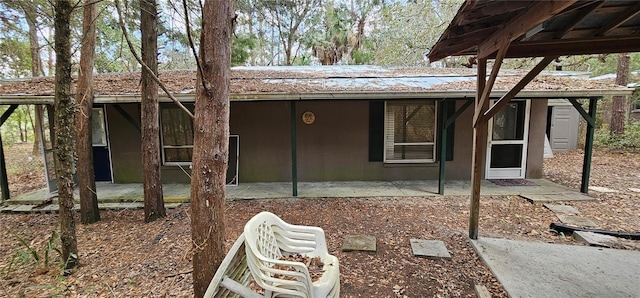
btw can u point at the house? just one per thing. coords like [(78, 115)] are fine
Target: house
[(340, 123)]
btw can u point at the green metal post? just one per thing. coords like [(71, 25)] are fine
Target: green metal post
[(294, 151), (442, 156), (588, 146), (4, 181)]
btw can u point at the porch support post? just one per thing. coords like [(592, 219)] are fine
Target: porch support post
[(590, 118), (4, 181), (479, 147), (446, 123), (294, 151), (442, 155), (588, 146)]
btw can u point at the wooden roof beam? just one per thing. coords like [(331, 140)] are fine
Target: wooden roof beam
[(488, 86), (619, 20), (505, 99), (562, 47), (539, 12), (580, 15)]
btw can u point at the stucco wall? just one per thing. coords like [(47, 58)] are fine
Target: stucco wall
[(535, 146), (124, 138)]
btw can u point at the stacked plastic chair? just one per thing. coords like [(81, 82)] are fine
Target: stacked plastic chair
[(268, 238)]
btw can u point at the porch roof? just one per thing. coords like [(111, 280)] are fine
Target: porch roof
[(321, 83), (541, 28)]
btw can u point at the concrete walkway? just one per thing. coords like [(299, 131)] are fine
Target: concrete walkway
[(532, 269), (127, 196)]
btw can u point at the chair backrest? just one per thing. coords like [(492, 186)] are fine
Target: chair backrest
[(266, 240), (262, 249)]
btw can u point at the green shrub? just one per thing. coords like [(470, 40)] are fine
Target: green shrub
[(628, 141)]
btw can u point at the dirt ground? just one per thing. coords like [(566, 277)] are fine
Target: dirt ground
[(121, 256)]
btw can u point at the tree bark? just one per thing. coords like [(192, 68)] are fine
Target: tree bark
[(152, 181), (89, 212), (64, 122), (619, 104), (211, 142)]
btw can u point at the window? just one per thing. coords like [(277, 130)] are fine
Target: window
[(99, 132), (177, 134), (409, 132)]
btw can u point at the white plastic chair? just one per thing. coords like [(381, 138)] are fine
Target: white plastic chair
[(268, 238)]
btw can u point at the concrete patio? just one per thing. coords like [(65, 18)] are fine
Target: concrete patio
[(130, 196)]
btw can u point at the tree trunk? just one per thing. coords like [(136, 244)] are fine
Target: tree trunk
[(64, 132), (153, 197), (619, 104), (36, 70), (211, 142), (89, 212)]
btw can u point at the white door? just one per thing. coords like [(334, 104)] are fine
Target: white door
[(507, 141)]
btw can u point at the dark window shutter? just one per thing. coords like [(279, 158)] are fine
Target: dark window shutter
[(376, 130), (450, 109)]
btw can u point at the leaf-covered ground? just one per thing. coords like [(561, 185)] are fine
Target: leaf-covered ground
[(121, 256)]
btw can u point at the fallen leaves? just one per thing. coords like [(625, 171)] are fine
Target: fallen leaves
[(119, 256)]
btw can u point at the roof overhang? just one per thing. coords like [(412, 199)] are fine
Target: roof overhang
[(460, 94), (541, 28)]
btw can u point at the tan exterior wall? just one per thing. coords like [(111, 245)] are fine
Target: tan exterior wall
[(124, 138), (334, 148)]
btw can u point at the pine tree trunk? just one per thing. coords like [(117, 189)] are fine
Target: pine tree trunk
[(64, 132), (211, 140), (619, 104), (153, 197), (89, 212), (36, 70)]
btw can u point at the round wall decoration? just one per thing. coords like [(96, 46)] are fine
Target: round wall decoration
[(308, 117)]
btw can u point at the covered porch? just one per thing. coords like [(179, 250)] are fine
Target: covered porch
[(130, 196)]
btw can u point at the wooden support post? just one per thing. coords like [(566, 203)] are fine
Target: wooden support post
[(4, 181), (588, 146), (479, 148), (294, 151)]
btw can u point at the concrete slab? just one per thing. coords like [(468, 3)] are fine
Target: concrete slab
[(559, 197), (23, 208), (595, 239), (359, 243), (576, 220), (602, 189), (433, 249), (180, 193), (531, 269), (562, 208)]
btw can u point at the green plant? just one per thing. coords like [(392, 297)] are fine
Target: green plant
[(28, 255), (628, 141)]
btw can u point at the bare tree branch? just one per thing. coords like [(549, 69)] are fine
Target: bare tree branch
[(193, 48), (145, 66)]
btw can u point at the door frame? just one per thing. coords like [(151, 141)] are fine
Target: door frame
[(105, 123), (506, 173)]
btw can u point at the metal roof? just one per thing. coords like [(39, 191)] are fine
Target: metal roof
[(320, 82)]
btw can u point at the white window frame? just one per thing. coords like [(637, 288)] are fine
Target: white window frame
[(389, 139)]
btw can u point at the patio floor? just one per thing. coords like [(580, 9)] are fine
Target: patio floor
[(128, 196)]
